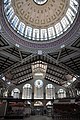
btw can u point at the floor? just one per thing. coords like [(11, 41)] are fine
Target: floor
[(36, 117), (39, 117)]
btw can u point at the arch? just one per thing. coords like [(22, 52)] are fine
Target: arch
[(61, 93), (38, 89), (50, 91), (27, 91), (15, 93)]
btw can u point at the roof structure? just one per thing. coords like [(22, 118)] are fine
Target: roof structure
[(61, 53)]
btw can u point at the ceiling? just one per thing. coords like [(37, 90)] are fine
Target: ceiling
[(16, 62), (40, 16)]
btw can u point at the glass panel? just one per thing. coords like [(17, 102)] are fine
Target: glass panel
[(21, 28), (43, 34), (74, 5), (51, 33), (35, 34), (58, 29), (28, 32), (10, 13), (7, 4), (7, 1), (70, 15), (65, 23), (15, 22)]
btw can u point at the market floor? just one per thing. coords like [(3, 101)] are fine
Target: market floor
[(38, 118)]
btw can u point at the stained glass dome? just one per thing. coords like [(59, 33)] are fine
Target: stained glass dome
[(44, 21)]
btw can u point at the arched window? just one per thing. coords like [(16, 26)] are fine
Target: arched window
[(15, 93), (50, 91), (61, 93), (38, 89), (27, 91)]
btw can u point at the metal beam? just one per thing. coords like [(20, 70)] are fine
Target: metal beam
[(69, 56), (60, 64), (54, 78), (59, 55), (75, 40), (18, 63), (20, 54), (4, 47), (60, 77), (73, 48), (56, 68), (9, 55)]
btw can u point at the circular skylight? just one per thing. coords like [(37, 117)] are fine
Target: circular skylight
[(38, 83), (40, 2), (40, 23)]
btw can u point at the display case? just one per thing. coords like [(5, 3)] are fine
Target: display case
[(14, 108), (67, 108)]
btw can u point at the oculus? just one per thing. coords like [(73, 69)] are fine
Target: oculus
[(40, 2)]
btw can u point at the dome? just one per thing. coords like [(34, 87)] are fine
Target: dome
[(40, 20), (40, 26)]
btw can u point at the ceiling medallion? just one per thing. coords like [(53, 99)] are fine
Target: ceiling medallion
[(40, 2)]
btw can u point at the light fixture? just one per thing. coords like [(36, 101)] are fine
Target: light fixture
[(62, 46), (17, 45)]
